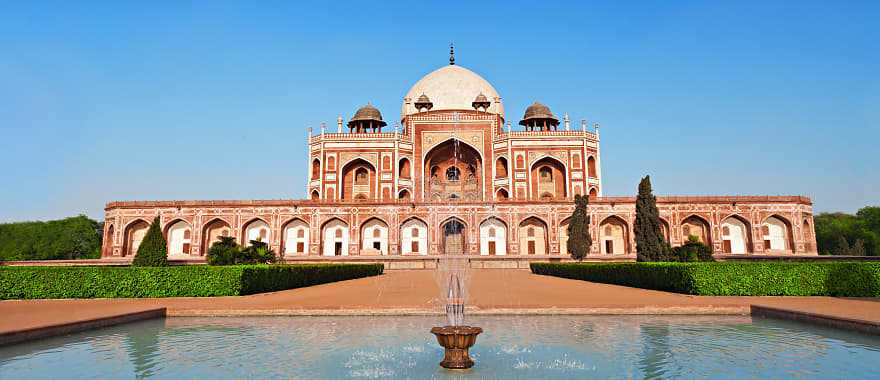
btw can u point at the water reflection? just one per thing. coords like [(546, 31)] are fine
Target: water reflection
[(649, 347)]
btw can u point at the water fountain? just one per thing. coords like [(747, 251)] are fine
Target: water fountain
[(452, 277)]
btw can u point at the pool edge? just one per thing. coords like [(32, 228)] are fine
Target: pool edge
[(48, 331), (859, 325)]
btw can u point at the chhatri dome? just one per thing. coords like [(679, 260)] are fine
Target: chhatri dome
[(452, 87)]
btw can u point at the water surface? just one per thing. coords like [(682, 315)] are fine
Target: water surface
[(533, 347)]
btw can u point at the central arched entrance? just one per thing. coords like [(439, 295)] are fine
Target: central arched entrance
[(453, 237), (453, 170)]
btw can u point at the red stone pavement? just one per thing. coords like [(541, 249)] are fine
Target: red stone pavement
[(401, 292)]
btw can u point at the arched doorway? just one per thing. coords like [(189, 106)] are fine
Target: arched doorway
[(358, 180), (735, 235), (134, 234), (178, 234), (614, 236), (453, 170), (258, 230), (212, 233), (107, 248), (335, 233), (454, 238), (695, 226), (548, 179), (374, 238), (776, 233), (296, 237), (414, 237), (563, 236), (533, 237), (493, 237)]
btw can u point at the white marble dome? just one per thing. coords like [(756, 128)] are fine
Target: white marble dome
[(452, 87)]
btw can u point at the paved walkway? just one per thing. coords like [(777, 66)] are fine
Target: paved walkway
[(415, 292)]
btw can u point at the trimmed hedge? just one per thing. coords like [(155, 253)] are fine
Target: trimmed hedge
[(842, 279), (176, 281)]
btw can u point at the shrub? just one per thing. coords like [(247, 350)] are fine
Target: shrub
[(844, 279), (174, 281), (692, 251), (153, 251), (226, 252)]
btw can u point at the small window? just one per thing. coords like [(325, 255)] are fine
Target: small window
[(414, 247), (339, 233), (608, 231), (301, 233), (263, 234), (531, 232), (725, 230), (415, 232), (545, 174), (377, 233), (361, 177), (186, 234), (300, 247), (453, 174)]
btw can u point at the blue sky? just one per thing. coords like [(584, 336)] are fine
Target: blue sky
[(174, 100)]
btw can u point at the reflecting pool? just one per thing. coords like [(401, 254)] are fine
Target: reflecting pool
[(527, 347)]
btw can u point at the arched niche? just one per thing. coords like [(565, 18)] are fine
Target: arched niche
[(404, 195), (614, 236), (358, 180), (316, 168), (335, 238), (405, 168), (502, 194), (501, 167), (178, 235), (454, 237), (493, 237), (533, 236), (548, 179), (453, 170), (134, 234), (562, 233), (212, 232), (374, 238), (776, 233), (735, 235), (295, 234), (414, 237), (696, 226), (591, 167), (256, 229)]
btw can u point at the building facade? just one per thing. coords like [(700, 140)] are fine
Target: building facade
[(454, 178)]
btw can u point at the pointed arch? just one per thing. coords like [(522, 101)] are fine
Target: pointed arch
[(591, 167), (736, 237), (358, 179), (334, 237), (374, 237), (549, 178), (501, 167), (316, 196), (414, 236), (178, 237), (453, 169), (532, 236), (404, 195), (212, 231), (134, 233), (256, 229), (502, 195), (316, 168), (776, 233), (295, 237), (454, 236), (404, 168), (107, 244), (493, 237), (664, 229), (695, 225), (614, 236)]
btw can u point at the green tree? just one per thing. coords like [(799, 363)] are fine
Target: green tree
[(223, 252), (862, 229), (579, 240), (153, 251), (650, 243), (71, 238)]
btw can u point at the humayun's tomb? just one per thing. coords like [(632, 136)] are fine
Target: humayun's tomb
[(454, 177)]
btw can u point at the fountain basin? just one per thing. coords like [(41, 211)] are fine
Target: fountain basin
[(456, 340)]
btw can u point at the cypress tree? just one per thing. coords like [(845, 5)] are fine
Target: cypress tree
[(153, 251), (579, 240), (650, 244)]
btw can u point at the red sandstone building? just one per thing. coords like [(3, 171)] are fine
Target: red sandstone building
[(454, 177)]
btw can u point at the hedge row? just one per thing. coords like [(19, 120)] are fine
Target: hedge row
[(175, 281), (842, 279)]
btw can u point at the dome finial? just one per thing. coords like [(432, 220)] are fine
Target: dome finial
[(451, 54)]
